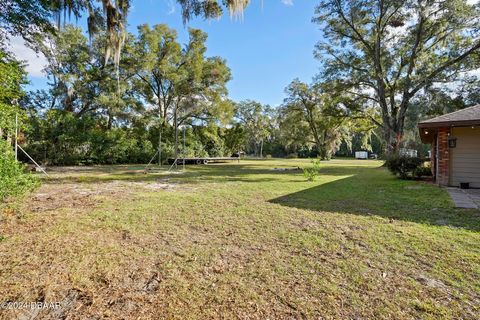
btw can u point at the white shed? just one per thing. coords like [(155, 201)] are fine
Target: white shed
[(361, 155)]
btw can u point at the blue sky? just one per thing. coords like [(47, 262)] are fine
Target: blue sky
[(268, 48)]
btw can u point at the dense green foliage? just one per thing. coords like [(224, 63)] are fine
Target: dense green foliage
[(406, 167), (321, 119), (12, 77), (63, 138), (387, 52), (257, 121), (93, 115), (13, 179), (27, 18), (88, 116)]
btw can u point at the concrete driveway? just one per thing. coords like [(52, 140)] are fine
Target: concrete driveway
[(465, 198)]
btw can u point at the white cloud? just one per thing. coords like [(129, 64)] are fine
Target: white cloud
[(35, 62), (287, 2)]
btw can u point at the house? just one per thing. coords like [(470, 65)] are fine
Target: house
[(455, 140)]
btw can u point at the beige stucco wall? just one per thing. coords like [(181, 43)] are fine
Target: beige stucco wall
[(465, 158)]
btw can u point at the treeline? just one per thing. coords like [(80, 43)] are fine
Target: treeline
[(95, 112), (162, 91), (116, 97)]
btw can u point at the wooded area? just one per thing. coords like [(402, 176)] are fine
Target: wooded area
[(115, 97)]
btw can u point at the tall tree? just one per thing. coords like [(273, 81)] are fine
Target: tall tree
[(81, 83), (293, 130), (235, 138), (158, 61), (182, 84), (326, 120), (201, 93), (388, 51), (12, 78), (256, 121)]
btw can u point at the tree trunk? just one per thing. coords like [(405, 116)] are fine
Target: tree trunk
[(176, 132), (314, 131), (320, 150), (320, 146), (323, 153), (110, 121), (393, 135), (261, 149), (160, 128)]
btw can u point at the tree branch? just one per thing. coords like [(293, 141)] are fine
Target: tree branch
[(443, 67)]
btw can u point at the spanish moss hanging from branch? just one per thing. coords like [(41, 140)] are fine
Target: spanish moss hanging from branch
[(111, 16), (211, 9)]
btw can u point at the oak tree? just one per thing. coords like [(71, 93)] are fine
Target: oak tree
[(388, 51)]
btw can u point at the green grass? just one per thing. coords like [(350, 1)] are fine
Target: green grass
[(245, 241)]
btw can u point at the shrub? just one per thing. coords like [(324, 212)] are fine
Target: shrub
[(13, 179), (423, 171), (404, 167), (292, 156), (311, 173)]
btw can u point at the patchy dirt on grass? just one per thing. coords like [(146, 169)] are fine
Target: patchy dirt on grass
[(54, 196), (114, 243), (54, 265)]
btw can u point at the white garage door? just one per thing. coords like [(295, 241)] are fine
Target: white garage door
[(465, 157)]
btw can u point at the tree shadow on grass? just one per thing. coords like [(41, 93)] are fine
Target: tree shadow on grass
[(372, 191), (204, 174), (212, 173)]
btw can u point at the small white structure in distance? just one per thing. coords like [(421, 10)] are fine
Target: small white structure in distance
[(361, 155), (411, 153)]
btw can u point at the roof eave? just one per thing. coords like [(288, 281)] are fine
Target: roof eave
[(439, 124), (427, 136)]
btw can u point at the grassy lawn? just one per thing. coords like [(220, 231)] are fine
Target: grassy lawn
[(241, 240)]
